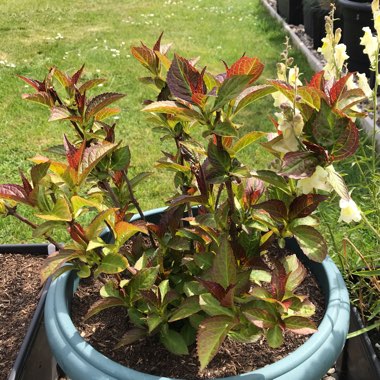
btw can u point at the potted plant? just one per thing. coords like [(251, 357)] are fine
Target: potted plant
[(198, 277), (23, 337)]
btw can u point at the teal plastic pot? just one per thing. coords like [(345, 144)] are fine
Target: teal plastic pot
[(80, 361)]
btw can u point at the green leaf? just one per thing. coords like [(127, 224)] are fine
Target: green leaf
[(84, 271), (252, 94), (102, 304), (109, 289), (124, 231), (212, 306), (131, 336), (311, 242), (224, 264), (260, 317), (246, 140), (367, 273), (173, 342), (143, 280), (219, 159), (112, 263), (225, 128), (274, 336), (90, 84), (188, 307), (60, 212), (230, 89), (59, 113), (38, 172), (211, 334), (153, 321), (121, 158), (300, 325), (39, 97), (273, 179)]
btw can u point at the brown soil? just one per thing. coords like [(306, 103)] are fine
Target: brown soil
[(104, 330), (19, 294)]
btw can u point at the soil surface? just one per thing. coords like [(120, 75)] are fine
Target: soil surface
[(104, 330), (19, 293)]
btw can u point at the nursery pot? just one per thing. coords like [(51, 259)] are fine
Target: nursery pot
[(34, 359), (310, 361)]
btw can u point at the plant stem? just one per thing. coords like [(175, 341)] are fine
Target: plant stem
[(136, 204), (368, 223), (374, 95), (13, 212), (111, 193)]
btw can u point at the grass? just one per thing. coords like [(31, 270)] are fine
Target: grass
[(36, 34)]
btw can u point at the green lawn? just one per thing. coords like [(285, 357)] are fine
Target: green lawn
[(36, 34)]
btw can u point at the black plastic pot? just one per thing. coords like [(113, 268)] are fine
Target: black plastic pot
[(34, 359), (358, 360), (290, 11), (355, 15)]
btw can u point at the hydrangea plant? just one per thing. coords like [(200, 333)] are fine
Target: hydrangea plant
[(201, 274)]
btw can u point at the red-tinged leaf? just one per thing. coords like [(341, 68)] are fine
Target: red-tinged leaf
[(40, 97), (253, 190), (252, 94), (319, 150), (211, 334), (107, 112), (76, 76), (131, 336), (311, 242), (347, 143), (188, 307), (60, 113), (274, 207), (73, 155), (214, 288), (298, 164), (246, 66), (92, 156), (14, 192), (337, 89), (25, 183), (90, 84), (184, 79), (260, 317), (317, 81), (305, 204), (36, 84), (103, 304), (309, 96), (224, 264), (284, 88), (157, 45), (300, 325), (98, 223), (77, 233), (228, 299), (145, 56), (278, 281), (296, 272), (55, 261), (101, 101), (172, 108)]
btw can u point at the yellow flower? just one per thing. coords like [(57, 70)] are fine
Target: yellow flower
[(318, 181), (363, 85), (349, 211), (340, 56), (370, 45)]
